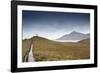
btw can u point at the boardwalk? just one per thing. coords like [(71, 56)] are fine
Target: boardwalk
[(30, 57)]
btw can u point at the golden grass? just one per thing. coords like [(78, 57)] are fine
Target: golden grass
[(47, 50), (25, 49)]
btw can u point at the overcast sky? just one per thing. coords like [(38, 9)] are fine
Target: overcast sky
[(53, 25)]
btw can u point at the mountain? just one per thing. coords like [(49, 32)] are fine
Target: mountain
[(74, 36)]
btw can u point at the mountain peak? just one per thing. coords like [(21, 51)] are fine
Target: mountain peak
[(74, 36), (75, 32)]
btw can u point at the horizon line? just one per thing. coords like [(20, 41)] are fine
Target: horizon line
[(53, 39)]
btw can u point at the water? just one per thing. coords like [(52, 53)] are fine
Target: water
[(66, 40)]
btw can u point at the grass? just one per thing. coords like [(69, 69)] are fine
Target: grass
[(47, 50), (25, 49)]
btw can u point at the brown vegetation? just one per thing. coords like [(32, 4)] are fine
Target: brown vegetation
[(47, 50)]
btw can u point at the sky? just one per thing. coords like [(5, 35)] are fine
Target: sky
[(53, 25)]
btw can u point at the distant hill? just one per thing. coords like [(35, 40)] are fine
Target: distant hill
[(74, 36), (85, 41)]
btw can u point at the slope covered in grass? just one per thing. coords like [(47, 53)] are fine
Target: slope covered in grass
[(48, 50), (25, 49)]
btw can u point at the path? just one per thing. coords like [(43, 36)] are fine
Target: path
[(31, 57)]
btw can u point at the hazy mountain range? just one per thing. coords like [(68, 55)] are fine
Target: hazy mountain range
[(74, 36)]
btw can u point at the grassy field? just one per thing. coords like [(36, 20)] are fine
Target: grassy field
[(25, 49), (47, 50)]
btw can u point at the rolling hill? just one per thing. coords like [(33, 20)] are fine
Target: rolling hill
[(85, 41), (49, 50)]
